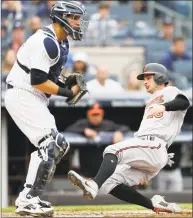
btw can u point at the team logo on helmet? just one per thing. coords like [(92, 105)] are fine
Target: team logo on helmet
[(145, 69)]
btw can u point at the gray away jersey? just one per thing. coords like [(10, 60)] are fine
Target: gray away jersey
[(165, 125)]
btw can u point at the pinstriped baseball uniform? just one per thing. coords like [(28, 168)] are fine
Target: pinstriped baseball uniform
[(27, 105), (141, 158)]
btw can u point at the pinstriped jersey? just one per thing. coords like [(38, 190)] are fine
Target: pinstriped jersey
[(38, 53), (165, 125)]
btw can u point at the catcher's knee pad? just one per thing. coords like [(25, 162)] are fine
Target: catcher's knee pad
[(55, 145), (62, 146)]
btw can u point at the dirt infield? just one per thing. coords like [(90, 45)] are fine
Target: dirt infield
[(108, 214), (129, 213)]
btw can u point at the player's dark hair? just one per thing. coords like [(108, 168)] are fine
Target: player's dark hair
[(176, 39), (103, 5), (84, 69)]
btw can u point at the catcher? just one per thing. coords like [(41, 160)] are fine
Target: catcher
[(32, 80)]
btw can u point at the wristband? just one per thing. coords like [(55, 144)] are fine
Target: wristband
[(65, 92)]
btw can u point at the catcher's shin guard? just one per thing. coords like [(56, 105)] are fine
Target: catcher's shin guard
[(49, 154)]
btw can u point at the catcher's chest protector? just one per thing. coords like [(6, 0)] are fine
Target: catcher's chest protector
[(55, 70), (63, 47)]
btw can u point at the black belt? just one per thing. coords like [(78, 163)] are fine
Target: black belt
[(9, 86)]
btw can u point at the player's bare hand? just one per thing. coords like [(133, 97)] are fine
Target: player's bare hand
[(75, 89), (156, 109), (90, 133)]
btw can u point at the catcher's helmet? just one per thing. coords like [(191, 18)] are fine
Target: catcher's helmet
[(60, 11), (159, 72)]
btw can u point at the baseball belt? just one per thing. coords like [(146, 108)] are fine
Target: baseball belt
[(9, 86), (151, 138)]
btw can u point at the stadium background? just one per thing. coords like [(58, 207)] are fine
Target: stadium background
[(139, 32)]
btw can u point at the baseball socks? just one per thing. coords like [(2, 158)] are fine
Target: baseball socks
[(106, 169), (130, 195)]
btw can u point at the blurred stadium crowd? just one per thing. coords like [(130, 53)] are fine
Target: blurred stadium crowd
[(112, 23), (122, 22)]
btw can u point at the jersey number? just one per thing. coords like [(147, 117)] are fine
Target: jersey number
[(156, 115)]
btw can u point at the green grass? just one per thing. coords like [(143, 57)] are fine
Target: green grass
[(97, 208)]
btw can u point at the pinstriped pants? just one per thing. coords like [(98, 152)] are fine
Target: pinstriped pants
[(30, 113)]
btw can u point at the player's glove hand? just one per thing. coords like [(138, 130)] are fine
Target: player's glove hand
[(69, 81), (77, 78)]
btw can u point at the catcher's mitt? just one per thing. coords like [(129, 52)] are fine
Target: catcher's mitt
[(76, 79)]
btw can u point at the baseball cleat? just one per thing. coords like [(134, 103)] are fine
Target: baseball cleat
[(88, 186), (20, 201), (34, 210), (44, 203), (160, 205)]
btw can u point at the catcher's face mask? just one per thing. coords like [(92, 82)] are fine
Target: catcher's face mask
[(78, 25), (72, 17)]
